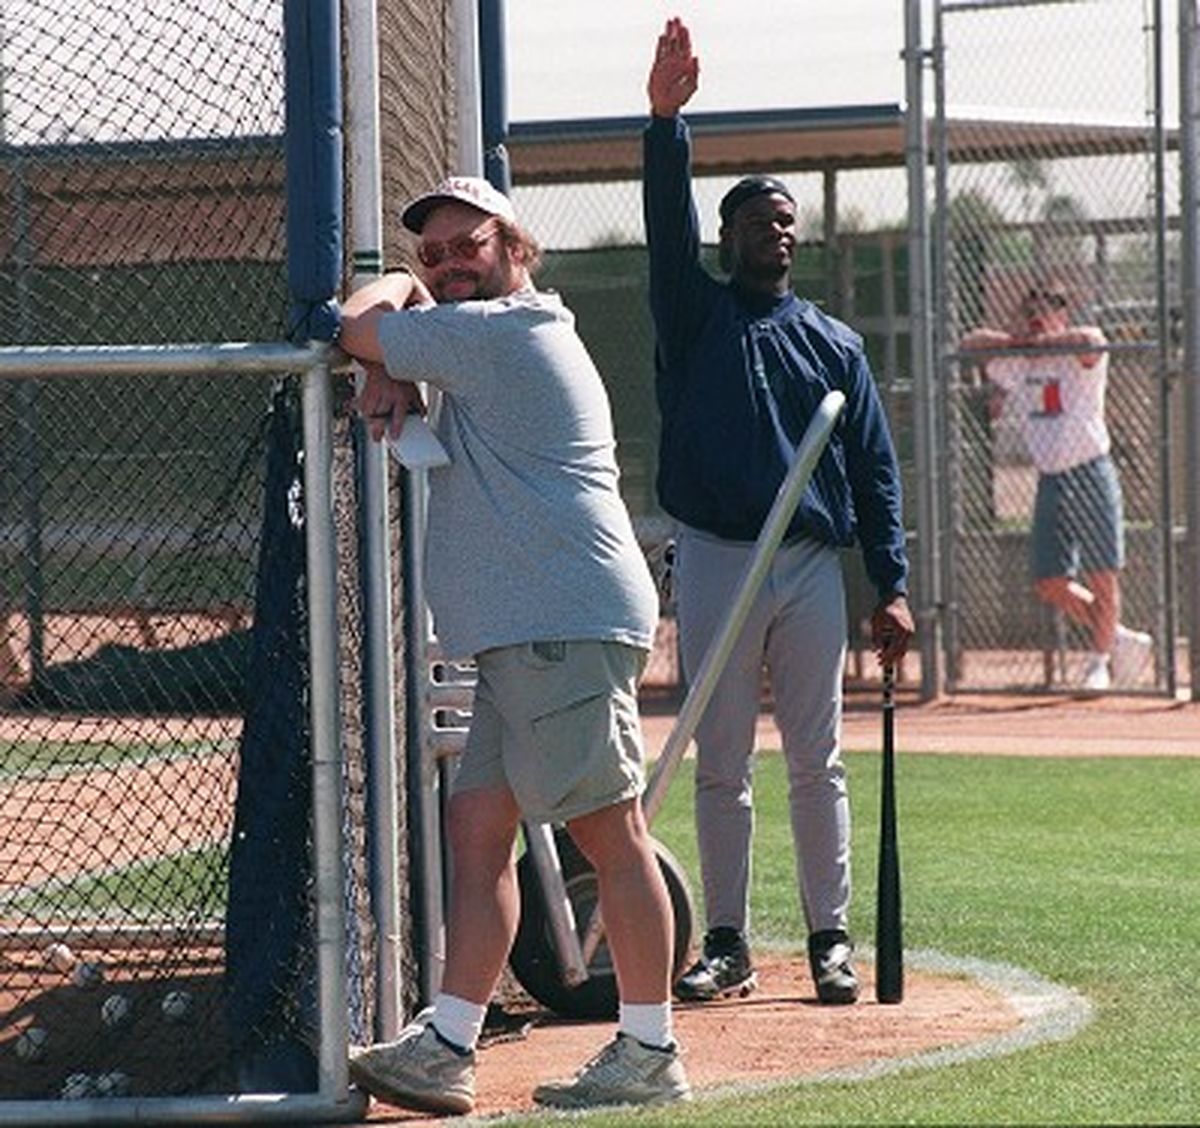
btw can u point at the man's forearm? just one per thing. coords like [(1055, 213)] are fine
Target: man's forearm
[(363, 310), (986, 339), (672, 227)]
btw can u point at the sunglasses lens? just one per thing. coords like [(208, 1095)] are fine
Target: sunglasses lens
[(1042, 300), (461, 246), (1037, 303)]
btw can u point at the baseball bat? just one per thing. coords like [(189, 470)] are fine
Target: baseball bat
[(889, 942)]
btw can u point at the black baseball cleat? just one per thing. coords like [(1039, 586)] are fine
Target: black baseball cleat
[(829, 955), (723, 970)]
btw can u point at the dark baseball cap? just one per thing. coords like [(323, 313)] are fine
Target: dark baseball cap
[(746, 189)]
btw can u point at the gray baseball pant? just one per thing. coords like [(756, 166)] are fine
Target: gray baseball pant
[(797, 629)]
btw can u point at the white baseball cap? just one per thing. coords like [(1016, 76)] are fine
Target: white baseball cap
[(471, 190)]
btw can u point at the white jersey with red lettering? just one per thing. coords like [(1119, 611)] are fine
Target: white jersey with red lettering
[(1060, 404)]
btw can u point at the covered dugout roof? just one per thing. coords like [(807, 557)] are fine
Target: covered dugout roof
[(813, 139)]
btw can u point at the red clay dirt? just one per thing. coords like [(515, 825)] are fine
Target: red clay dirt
[(1015, 724), (779, 1032)]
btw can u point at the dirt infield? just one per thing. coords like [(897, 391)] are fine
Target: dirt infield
[(997, 724), (64, 826), (779, 1032), (1031, 725)]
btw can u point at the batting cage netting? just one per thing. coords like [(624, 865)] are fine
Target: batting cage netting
[(158, 895)]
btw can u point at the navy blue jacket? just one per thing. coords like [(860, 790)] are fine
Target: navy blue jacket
[(738, 377)]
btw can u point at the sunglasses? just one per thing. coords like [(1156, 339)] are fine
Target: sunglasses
[(1040, 299), (460, 247)]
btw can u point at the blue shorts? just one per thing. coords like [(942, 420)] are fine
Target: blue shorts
[(1078, 521)]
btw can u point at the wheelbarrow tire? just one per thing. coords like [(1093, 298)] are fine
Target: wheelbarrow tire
[(533, 959)]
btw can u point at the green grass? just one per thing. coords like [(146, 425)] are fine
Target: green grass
[(23, 759), (194, 879), (1082, 871)]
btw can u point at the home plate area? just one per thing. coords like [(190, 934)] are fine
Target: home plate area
[(778, 1033)]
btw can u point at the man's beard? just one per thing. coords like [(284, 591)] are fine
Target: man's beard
[(443, 285)]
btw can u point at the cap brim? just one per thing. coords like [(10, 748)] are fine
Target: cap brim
[(414, 216)]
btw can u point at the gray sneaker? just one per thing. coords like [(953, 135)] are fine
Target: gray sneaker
[(418, 1070), (624, 1072)]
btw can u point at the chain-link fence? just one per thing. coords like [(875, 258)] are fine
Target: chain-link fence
[(1055, 226), (1052, 160)]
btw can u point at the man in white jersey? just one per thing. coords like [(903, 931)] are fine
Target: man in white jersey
[(1078, 546), (533, 571)]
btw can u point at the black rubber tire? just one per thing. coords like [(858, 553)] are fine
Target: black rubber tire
[(533, 960)]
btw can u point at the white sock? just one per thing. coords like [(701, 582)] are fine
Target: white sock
[(1128, 632), (649, 1023), (459, 1021)]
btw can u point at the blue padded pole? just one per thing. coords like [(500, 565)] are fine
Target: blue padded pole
[(493, 74), (313, 144)]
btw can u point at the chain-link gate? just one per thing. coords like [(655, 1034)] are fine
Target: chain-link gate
[(1052, 191)]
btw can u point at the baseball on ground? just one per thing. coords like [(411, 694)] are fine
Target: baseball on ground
[(177, 1006), (114, 1083), (88, 975), (31, 1043), (59, 957), (77, 1087), (116, 1011)]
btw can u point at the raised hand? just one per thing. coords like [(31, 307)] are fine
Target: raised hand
[(675, 72)]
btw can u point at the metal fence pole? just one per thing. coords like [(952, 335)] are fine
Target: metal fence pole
[(1166, 575), (325, 721), (379, 675), (1189, 150), (924, 372)]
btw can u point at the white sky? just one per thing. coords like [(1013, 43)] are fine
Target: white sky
[(94, 69), (590, 58), (1079, 62)]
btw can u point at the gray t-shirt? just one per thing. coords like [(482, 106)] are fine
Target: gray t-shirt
[(528, 537)]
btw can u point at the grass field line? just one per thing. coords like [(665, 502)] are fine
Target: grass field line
[(59, 827), (1046, 1012), (1050, 1012)]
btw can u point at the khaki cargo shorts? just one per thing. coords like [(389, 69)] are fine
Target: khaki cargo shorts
[(558, 723)]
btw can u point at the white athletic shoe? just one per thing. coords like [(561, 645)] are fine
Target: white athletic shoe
[(1096, 678), (418, 1070), (1131, 656), (623, 1072)]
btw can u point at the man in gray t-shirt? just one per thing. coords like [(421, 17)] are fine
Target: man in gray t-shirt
[(534, 572)]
